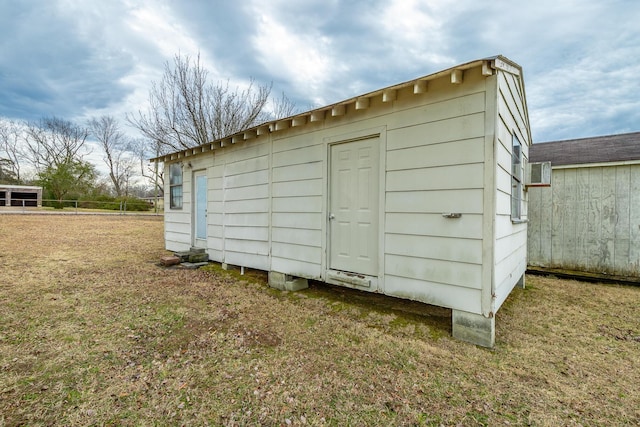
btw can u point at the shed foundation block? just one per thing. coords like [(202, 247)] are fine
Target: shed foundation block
[(474, 328), (198, 257), (285, 282), (520, 282)]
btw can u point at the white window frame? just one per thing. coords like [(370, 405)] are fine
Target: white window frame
[(175, 186), (517, 181)]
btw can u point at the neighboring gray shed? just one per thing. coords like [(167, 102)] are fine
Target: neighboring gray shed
[(589, 219), (20, 195), (414, 191)]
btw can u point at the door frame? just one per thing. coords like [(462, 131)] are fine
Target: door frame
[(195, 241), (358, 281)]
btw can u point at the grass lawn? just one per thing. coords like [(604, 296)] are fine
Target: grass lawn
[(94, 332)]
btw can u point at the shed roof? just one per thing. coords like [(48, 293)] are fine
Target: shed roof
[(599, 149), (419, 84)]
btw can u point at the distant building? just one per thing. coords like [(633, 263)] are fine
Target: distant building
[(589, 219), (20, 195)]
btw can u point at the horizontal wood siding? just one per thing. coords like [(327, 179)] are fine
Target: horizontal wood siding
[(586, 221), (459, 177), (245, 204), (296, 205), (176, 225), (436, 167), (215, 214), (509, 251), (427, 225), (441, 248), (440, 294), (507, 269), (441, 271), (464, 200), (177, 222)]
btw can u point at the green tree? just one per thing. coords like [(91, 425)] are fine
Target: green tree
[(7, 174), (75, 176), (56, 149)]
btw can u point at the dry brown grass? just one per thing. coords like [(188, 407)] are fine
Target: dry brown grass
[(94, 332)]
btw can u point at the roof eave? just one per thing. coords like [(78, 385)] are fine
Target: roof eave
[(489, 64)]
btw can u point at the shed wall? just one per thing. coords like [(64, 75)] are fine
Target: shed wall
[(245, 204), (177, 224), (510, 237), (586, 222), (299, 166), (267, 197), (435, 165)]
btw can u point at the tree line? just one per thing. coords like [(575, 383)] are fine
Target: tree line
[(184, 110)]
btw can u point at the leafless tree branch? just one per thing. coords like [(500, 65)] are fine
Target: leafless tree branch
[(116, 147), (11, 138), (53, 142), (185, 110)]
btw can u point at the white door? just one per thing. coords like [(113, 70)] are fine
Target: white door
[(353, 207), (200, 209)]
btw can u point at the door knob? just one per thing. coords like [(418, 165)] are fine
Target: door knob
[(332, 216)]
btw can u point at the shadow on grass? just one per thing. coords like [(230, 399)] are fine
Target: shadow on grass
[(356, 303), (438, 319)]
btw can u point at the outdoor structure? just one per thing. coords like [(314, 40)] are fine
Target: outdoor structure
[(20, 195), (414, 191), (589, 220)]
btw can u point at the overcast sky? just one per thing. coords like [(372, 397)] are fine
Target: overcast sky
[(78, 58)]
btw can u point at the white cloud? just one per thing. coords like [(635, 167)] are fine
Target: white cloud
[(414, 31), (75, 58), (302, 59), (152, 21)]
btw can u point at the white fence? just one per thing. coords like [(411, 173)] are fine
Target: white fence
[(136, 206)]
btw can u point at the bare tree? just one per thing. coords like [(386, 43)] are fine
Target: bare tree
[(117, 150), (54, 142), (56, 149), (281, 107), (10, 151), (186, 110), (151, 171)]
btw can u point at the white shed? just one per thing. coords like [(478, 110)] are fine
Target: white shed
[(414, 191)]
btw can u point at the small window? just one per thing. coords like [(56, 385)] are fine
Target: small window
[(516, 179), (175, 186)]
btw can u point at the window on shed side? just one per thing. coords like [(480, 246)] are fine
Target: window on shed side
[(516, 179), (175, 186)]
